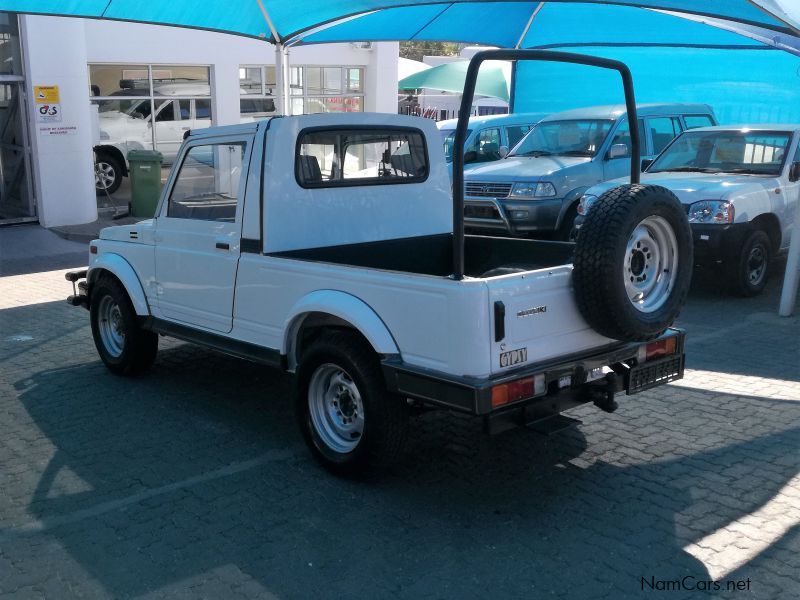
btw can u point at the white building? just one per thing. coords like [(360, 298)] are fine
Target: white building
[(56, 72)]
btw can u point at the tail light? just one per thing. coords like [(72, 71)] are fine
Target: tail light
[(519, 389), (658, 348)]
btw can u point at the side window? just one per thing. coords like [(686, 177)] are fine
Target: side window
[(662, 131), (694, 121), (207, 185), (202, 109), (623, 136), (516, 133), (486, 146), (344, 157), (185, 108), (166, 112), (796, 154)]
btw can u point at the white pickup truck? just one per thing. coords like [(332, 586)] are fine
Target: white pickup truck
[(740, 186), (325, 245)]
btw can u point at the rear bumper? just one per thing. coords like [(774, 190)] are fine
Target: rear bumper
[(80, 289), (567, 382)]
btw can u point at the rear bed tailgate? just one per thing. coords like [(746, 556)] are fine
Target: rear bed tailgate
[(535, 318)]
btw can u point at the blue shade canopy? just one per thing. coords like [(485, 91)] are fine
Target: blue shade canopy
[(480, 21)]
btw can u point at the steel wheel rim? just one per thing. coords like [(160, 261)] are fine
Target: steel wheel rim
[(336, 408), (756, 265), (651, 264), (111, 327), (104, 175)]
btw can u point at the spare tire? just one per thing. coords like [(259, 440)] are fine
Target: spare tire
[(633, 262)]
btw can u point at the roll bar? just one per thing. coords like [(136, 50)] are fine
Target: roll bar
[(466, 109)]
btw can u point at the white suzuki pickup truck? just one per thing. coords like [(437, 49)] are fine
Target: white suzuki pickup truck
[(328, 246)]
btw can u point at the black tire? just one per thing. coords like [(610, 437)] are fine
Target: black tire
[(603, 262), (110, 166), (748, 271), (138, 348), (567, 232), (385, 415)]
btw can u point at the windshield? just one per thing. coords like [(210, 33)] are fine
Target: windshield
[(139, 109), (448, 136), (751, 152), (575, 137)]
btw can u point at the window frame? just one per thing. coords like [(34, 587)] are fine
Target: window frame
[(169, 186), (360, 182)]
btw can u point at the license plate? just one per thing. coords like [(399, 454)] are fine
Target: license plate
[(513, 357)]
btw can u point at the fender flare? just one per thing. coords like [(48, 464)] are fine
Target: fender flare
[(568, 201), (344, 306), (122, 270)]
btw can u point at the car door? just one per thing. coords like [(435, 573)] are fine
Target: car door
[(621, 165), (198, 234), (172, 119)]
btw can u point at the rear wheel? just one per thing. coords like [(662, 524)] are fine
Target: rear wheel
[(123, 346), (749, 270), (633, 262), (351, 423)]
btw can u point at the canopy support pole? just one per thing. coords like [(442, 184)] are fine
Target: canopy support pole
[(792, 277), (528, 26), (282, 79)]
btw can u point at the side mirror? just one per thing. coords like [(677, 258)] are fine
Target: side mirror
[(470, 157), (646, 162), (503, 151), (794, 171), (617, 151)]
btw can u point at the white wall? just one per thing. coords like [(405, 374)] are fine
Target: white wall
[(57, 52), (62, 164)]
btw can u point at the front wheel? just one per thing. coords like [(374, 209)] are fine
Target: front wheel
[(123, 346), (351, 423), (749, 270)]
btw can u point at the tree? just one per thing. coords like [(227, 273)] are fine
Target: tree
[(416, 50)]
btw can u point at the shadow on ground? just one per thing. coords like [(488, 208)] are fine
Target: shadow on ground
[(463, 515)]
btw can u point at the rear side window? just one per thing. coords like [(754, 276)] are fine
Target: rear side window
[(348, 157), (693, 121), (662, 131)]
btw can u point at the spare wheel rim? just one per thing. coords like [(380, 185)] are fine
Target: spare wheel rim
[(651, 264)]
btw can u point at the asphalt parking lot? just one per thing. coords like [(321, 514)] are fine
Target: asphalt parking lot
[(193, 481)]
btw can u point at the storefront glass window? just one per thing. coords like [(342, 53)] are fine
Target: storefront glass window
[(257, 87), (10, 55)]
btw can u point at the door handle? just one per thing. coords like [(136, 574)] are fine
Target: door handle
[(223, 246)]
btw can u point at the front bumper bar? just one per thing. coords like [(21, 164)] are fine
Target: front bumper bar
[(80, 289), (474, 395)]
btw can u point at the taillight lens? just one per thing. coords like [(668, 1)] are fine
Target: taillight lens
[(527, 387), (657, 349)]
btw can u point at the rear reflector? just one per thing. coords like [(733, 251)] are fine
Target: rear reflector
[(527, 387), (659, 348), (92, 249)]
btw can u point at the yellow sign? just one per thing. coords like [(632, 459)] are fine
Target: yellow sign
[(46, 94)]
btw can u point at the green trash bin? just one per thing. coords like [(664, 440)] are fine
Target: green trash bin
[(145, 174)]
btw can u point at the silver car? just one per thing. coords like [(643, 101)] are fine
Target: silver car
[(537, 187)]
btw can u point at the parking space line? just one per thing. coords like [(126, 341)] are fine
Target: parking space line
[(40, 526)]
